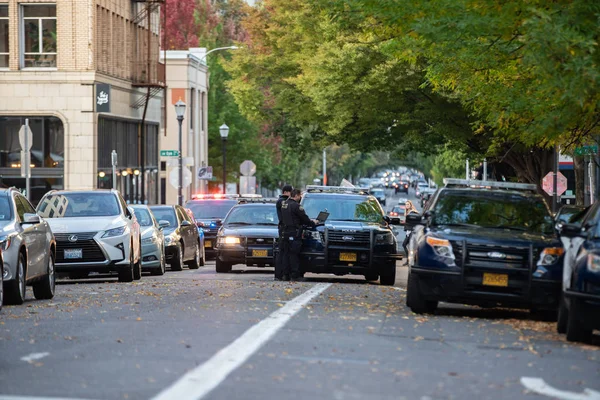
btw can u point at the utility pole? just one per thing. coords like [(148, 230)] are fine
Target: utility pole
[(324, 167), (555, 182), (113, 159)]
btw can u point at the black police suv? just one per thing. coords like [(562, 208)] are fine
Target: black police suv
[(209, 211), (579, 311), (484, 243), (248, 235), (355, 239)]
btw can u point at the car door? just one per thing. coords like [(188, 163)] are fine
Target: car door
[(183, 231), (41, 244), (580, 245), (28, 235)]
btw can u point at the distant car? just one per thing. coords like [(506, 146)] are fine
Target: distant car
[(95, 231), (247, 237), (379, 195), (397, 214), (421, 186), (402, 186), (153, 240), (182, 242), (28, 250), (426, 195)]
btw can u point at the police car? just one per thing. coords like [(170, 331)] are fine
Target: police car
[(484, 243), (356, 237), (209, 211)]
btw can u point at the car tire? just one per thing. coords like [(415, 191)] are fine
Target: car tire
[(387, 275), (414, 298), (161, 269), (126, 275), (372, 276), (203, 259), (563, 316), (576, 330), (195, 263), (222, 267), (44, 289), (15, 289), (177, 263)]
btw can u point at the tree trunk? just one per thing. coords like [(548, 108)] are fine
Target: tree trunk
[(579, 168), (531, 166)]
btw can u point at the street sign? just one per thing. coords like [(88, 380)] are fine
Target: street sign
[(169, 153), (205, 173), (25, 142), (248, 168), (247, 185), (174, 177), (548, 184), (586, 150)]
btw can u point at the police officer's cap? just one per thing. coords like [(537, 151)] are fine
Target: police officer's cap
[(287, 188)]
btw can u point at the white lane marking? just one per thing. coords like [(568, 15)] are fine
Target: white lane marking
[(34, 357), (539, 386), (200, 381), (5, 397)]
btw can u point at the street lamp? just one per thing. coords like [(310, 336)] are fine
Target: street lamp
[(180, 111), (224, 131)]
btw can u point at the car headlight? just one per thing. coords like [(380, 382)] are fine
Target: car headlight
[(114, 232), (384, 238), (229, 240), (150, 240), (441, 247), (5, 242), (169, 239), (550, 255), (593, 262)]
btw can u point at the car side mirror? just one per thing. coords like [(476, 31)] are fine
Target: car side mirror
[(164, 224), (185, 223), (30, 218), (570, 230)]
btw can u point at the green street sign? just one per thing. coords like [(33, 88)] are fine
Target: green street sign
[(169, 153), (586, 150)]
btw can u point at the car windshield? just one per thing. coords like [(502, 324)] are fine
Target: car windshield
[(74, 205), (143, 217), (165, 214), (252, 215), (5, 210), (210, 209), (360, 209), (377, 192), (493, 210)]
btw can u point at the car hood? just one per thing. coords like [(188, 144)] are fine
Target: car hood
[(84, 224), (352, 225), (147, 232), (500, 237), (251, 231), (6, 227)]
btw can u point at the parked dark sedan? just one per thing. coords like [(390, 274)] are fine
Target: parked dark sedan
[(182, 242), (247, 236), (579, 311)]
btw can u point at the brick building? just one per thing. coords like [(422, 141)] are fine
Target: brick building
[(85, 73)]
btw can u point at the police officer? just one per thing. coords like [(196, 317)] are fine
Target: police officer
[(286, 191), (293, 217)]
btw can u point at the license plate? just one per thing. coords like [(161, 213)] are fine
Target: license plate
[(260, 253), (495, 279), (207, 243), (347, 256), (73, 253)]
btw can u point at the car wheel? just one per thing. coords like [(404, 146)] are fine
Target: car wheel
[(563, 316), (415, 300), (576, 330), (223, 267), (126, 274), (387, 275), (203, 259), (195, 263), (177, 263), (44, 289), (15, 289), (373, 276)]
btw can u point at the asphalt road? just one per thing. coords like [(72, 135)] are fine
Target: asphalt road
[(198, 334)]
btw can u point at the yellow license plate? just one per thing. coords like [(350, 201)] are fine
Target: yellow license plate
[(208, 243), (495, 279), (347, 256), (260, 253)]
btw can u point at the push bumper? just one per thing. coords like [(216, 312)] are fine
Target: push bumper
[(588, 307)]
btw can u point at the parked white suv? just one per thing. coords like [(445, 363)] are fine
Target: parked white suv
[(95, 231)]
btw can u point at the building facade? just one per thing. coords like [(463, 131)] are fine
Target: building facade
[(84, 74), (187, 80)]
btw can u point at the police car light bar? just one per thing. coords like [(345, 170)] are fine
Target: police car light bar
[(251, 196), (336, 189), (450, 182), (257, 200), (216, 196)]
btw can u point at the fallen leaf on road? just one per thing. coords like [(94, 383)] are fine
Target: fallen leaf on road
[(119, 340), (418, 338)]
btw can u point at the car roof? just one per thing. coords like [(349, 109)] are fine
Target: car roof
[(338, 195), (491, 191)]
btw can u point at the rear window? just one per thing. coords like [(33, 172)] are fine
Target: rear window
[(210, 209)]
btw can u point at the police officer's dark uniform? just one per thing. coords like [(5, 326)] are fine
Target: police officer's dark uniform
[(279, 258), (293, 217)]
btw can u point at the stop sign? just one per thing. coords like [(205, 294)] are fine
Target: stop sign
[(548, 184)]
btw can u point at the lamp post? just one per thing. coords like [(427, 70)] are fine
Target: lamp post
[(180, 111), (224, 131)]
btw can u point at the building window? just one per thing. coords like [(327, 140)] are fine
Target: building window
[(39, 36), (3, 36)]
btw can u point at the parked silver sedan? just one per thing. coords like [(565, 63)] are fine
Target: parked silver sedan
[(153, 240), (28, 249)]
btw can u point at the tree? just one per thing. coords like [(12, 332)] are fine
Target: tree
[(181, 29)]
